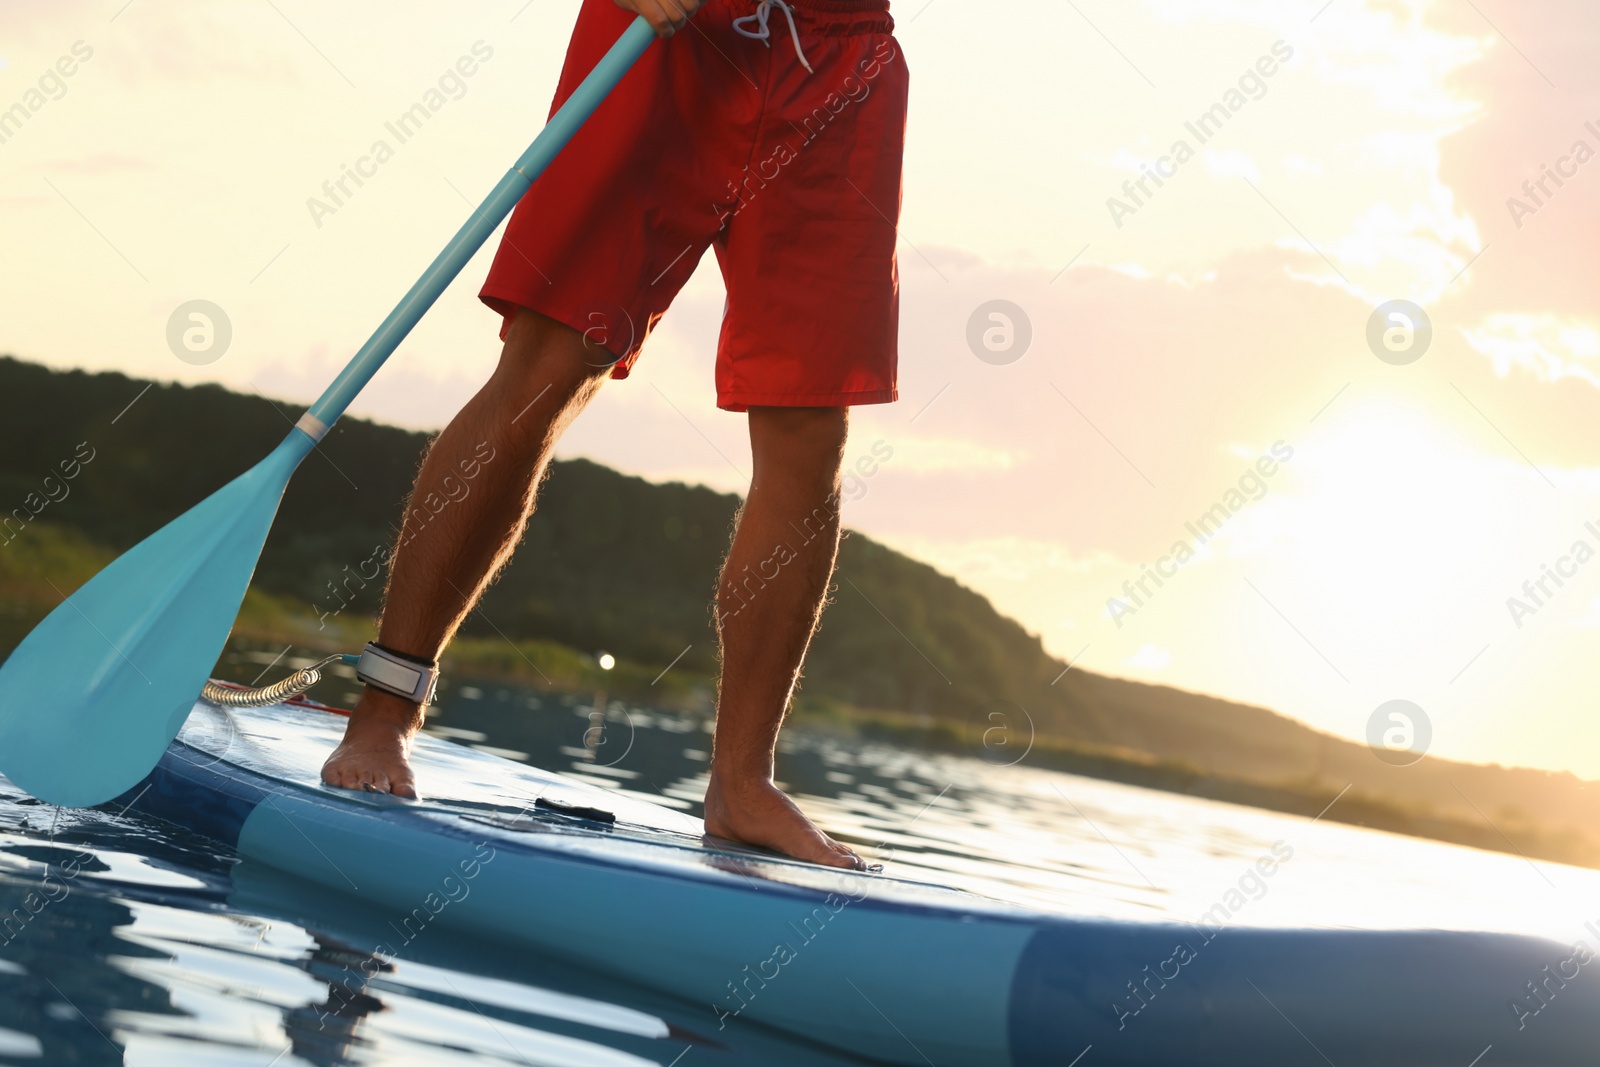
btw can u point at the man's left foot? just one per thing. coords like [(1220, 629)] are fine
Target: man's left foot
[(759, 813), (375, 753)]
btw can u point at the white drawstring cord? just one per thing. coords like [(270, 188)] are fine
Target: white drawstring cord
[(763, 34)]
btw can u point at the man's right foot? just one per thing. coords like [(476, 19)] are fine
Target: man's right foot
[(757, 812), (376, 750)]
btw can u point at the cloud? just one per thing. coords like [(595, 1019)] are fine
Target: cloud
[(1149, 658), (1231, 164), (1548, 347), (1523, 125)]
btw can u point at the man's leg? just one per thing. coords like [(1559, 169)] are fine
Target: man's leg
[(769, 599), (441, 565)]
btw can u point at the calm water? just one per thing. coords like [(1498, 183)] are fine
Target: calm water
[(169, 950)]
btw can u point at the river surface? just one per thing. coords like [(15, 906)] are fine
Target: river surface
[(169, 950)]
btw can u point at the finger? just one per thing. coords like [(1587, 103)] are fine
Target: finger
[(677, 12), (660, 19)]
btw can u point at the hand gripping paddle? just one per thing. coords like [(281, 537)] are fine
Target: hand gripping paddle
[(91, 698)]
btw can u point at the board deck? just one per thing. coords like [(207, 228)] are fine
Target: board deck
[(498, 799)]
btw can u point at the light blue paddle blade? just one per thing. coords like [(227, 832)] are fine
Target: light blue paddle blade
[(92, 697)]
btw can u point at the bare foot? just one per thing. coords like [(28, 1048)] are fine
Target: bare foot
[(757, 812), (374, 754)]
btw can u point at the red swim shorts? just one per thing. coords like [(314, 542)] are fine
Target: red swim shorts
[(717, 139)]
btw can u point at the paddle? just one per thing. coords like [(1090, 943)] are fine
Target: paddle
[(91, 698)]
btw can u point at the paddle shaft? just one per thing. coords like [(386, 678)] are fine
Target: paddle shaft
[(465, 244)]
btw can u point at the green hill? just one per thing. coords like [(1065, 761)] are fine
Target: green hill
[(610, 561), (616, 562)]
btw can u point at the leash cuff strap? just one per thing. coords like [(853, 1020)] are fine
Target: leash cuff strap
[(403, 676)]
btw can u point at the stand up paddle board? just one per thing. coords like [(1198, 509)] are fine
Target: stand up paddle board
[(880, 967)]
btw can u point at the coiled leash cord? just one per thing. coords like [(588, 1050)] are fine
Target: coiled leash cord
[(292, 686)]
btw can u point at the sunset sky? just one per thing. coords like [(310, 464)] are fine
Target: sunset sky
[(1223, 318)]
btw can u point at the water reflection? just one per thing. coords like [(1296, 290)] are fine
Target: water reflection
[(324, 1033)]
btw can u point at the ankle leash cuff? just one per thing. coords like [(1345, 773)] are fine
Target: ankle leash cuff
[(397, 673)]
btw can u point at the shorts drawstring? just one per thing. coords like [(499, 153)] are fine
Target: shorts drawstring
[(763, 34)]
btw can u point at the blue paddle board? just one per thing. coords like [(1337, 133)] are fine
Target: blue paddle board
[(880, 967)]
